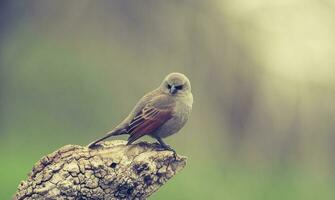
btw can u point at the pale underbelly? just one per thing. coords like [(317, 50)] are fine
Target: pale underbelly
[(172, 126)]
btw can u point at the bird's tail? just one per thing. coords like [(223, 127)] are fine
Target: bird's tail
[(108, 134)]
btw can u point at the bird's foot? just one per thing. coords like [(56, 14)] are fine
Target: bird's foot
[(168, 148)]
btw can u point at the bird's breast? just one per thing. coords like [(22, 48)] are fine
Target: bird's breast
[(179, 118)]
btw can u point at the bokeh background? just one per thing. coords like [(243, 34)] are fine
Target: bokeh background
[(262, 73)]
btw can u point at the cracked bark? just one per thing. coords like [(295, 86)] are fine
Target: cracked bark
[(113, 171)]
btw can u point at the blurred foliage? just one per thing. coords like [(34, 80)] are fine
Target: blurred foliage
[(262, 75)]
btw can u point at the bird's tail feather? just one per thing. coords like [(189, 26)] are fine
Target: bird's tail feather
[(108, 134)]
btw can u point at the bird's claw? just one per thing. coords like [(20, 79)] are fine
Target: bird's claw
[(168, 148)]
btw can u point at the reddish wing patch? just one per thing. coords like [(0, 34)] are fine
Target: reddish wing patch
[(146, 122)]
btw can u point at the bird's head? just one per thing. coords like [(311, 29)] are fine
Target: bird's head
[(176, 84)]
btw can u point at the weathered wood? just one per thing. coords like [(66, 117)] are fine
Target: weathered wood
[(112, 171)]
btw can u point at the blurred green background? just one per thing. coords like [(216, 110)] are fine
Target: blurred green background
[(262, 73)]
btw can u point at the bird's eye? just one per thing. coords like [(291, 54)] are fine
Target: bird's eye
[(179, 87), (169, 86)]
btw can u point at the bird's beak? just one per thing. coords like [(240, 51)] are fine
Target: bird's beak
[(173, 90)]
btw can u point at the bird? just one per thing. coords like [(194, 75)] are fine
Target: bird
[(159, 113)]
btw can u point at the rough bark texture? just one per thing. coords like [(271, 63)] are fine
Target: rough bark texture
[(112, 171)]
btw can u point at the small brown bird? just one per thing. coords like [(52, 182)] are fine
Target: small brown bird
[(159, 114)]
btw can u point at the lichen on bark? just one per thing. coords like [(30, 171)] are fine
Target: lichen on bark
[(112, 171)]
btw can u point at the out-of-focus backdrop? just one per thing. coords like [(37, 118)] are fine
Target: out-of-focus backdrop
[(262, 73)]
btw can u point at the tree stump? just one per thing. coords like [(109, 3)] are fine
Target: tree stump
[(112, 171)]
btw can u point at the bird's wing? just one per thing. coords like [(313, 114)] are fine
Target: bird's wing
[(153, 115)]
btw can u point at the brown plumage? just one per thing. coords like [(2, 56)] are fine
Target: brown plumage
[(160, 113)]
